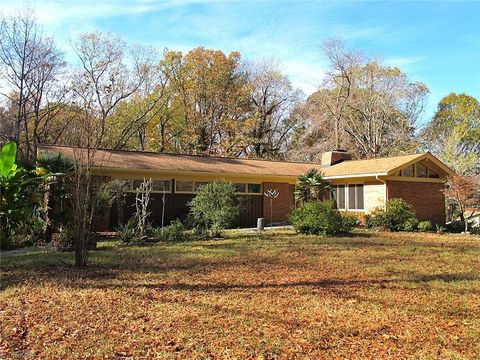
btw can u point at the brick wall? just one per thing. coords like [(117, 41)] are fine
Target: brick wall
[(282, 205), (427, 198)]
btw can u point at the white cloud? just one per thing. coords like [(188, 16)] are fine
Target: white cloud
[(402, 61)]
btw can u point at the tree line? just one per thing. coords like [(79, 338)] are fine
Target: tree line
[(127, 96)]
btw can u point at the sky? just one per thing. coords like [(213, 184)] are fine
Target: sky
[(435, 42)]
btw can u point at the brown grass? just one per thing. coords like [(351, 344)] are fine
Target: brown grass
[(278, 296)]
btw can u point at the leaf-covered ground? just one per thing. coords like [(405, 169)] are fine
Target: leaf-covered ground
[(279, 296)]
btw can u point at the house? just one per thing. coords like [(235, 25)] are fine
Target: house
[(359, 185)]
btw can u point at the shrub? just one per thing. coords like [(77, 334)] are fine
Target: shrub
[(397, 215), (320, 218), (425, 226), (175, 232), (375, 219), (126, 233), (215, 208), (63, 240), (475, 230)]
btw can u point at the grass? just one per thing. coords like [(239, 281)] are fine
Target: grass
[(281, 295)]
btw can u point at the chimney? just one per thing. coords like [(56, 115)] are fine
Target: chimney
[(334, 157)]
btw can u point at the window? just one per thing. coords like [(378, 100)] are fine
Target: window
[(355, 197), (432, 174), (157, 185), (199, 183), (421, 171), (240, 187), (408, 171), (339, 196), (162, 185), (184, 186), (254, 188)]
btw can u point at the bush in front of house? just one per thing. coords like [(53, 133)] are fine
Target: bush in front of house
[(175, 232), (214, 208), (397, 215), (321, 218), (127, 233), (425, 226)]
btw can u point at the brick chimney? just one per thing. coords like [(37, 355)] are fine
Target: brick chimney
[(334, 157)]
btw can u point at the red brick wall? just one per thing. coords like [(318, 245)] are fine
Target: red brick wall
[(426, 198), (282, 205)]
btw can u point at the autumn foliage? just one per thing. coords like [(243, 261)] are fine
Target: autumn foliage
[(286, 296), (464, 192)]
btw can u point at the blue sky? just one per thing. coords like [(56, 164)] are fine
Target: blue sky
[(436, 42)]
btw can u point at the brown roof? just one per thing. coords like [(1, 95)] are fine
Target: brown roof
[(220, 165)]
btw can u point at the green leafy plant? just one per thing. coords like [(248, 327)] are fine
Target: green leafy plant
[(175, 232), (215, 208), (425, 225), (311, 186), (397, 215), (127, 232), (17, 190), (321, 218)]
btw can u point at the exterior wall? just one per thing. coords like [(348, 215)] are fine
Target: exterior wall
[(282, 205), (374, 195), (426, 198)]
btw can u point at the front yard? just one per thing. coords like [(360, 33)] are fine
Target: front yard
[(372, 295)]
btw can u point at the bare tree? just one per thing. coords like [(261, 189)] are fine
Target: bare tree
[(373, 108), (111, 72), (30, 65), (272, 103)]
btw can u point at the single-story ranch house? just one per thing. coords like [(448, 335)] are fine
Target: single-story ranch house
[(359, 185)]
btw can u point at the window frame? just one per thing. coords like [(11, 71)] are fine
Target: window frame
[(133, 189), (347, 201), (185, 191), (335, 196), (260, 193)]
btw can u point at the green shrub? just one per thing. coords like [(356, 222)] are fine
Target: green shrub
[(215, 208), (175, 232), (375, 219), (425, 226), (126, 232), (397, 215), (320, 218)]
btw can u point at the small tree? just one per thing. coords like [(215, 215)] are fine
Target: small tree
[(311, 186), (215, 208), (464, 192)]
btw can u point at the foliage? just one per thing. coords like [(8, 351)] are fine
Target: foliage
[(425, 225), (375, 219), (320, 218), (175, 232), (362, 105), (397, 215), (311, 186), (207, 295), (214, 208), (63, 240), (127, 232), (454, 133), (464, 192), (18, 199)]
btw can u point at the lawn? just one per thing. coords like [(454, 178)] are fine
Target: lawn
[(281, 295)]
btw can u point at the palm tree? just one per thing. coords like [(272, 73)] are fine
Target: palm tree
[(311, 186)]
